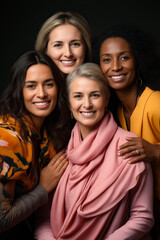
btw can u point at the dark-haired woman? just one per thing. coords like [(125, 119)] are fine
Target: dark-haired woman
[(31, 133), (128, 61)]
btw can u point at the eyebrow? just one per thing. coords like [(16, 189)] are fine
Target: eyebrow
[(108, 54), (90, 92), (33, 81), (73, 40)]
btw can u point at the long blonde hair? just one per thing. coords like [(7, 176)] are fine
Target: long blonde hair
[(61, 18)]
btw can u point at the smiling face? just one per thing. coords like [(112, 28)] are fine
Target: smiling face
[(66, 47), (117, 63), (87, 103), (39, 93)]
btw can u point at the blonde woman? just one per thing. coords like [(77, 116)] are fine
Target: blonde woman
[(66, 38)]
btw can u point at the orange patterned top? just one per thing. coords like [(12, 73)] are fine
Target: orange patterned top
[(19, 169)]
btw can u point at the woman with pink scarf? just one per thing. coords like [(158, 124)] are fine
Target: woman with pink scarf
[(101, 195)]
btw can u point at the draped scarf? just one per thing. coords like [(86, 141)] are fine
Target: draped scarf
[(95, 180)]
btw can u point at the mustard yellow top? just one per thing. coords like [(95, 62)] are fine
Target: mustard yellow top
[(145, 123)]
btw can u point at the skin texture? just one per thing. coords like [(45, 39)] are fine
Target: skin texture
[(118, 64), (66, 47), (87, 103), (39, 88)]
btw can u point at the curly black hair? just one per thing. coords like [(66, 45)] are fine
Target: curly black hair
[(143, 48)]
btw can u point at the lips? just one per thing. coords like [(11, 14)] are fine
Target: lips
[(88, 114), (117, 77), (68, 62), (41, 103)]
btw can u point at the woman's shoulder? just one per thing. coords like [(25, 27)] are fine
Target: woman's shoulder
[(9, 132), (152, 102), (15, 153), (123, 133), (152, 95)]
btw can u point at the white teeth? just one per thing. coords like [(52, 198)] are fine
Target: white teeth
[(87, 113), (118, 77), (41, 104), (67, 62)]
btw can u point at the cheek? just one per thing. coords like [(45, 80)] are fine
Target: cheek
[(52, 53), (81, 53), (133, 69), (27, 103), (74, 106), (54, 94), (26, 96)]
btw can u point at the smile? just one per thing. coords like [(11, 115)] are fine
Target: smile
[(118, 77), (87, 114), (68, 61), (41, 103)]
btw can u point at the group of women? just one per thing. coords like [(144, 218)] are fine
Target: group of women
[(80, 136)]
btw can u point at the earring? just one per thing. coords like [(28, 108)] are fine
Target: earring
[(71, 115)]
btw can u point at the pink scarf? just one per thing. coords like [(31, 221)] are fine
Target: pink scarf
[(95, 181)]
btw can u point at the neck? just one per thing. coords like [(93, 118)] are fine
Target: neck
[(128, 98)]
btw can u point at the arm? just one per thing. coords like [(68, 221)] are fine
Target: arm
[(151, 126), (12, 210), (141, 214)]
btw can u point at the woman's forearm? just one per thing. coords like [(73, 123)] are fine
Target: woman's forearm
[(22, 207)]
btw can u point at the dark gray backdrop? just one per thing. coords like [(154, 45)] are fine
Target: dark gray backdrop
[(21, 21)]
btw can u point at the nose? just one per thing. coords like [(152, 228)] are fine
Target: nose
[(116, 65), (87, 103), (67, 51), (41, 92)]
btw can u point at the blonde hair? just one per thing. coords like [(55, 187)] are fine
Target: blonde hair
[(61, 18), (91, 71)]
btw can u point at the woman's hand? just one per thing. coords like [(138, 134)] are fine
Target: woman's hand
[(51, 174), (140, 149)]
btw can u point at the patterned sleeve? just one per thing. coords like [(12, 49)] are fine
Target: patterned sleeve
[(13, 212), (14, 168)]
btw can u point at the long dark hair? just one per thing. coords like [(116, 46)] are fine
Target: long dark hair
[(12, 103)]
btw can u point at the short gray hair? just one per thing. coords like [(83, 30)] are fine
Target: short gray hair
[(91, 71)]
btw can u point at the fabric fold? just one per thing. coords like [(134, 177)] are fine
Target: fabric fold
[(96, 180)]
